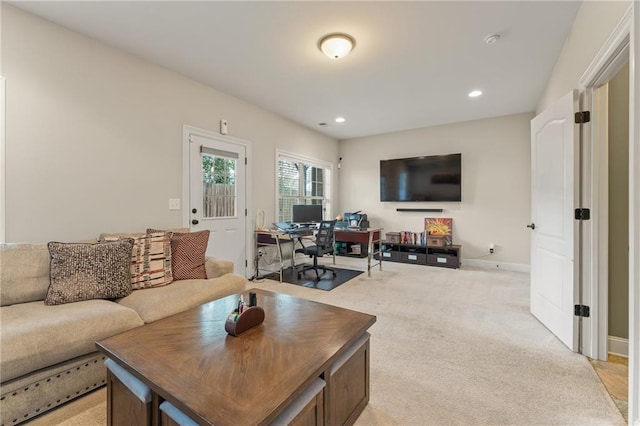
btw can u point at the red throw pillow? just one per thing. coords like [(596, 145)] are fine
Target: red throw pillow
[(188, 254)]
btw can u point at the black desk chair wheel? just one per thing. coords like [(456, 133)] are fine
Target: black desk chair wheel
[(324, 245)]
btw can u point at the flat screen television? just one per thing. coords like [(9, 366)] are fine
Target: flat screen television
[(431, 178), (306, 213)]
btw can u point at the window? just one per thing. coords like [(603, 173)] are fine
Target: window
[(301, 181), (218, 183)]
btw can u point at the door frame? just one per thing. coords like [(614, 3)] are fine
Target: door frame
[(634, 214), (187, 131), (611, 57), (622, 45), (3, 161)]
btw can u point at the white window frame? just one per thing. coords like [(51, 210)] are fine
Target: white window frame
[(314, 162)]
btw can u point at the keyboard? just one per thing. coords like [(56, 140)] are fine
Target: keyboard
[(300, 232), (284, 226)]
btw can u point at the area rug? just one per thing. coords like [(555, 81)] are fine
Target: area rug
[(327, 282)]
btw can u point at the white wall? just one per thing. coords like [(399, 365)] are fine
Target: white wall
[(496, 187), (593, 25), (93, 135)]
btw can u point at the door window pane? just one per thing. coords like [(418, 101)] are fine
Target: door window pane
[(219, 186)]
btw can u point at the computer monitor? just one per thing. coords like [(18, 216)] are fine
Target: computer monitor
[(307, 213)]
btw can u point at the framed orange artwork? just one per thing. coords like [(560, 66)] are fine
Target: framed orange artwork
[(439, 226)]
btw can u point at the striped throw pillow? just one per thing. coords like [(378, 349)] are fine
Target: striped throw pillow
[(150, 258), (188, 251)]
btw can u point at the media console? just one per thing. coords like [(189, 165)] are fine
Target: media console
[(445, 256)]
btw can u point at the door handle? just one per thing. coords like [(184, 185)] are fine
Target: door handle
[(194, 221), (532, 226)]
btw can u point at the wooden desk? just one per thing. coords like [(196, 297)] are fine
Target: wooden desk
[(216, 379), (369, 236)]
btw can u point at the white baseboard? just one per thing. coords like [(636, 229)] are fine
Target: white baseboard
[(487, 264), (618, 346)]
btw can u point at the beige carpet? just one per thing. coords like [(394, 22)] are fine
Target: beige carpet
[(454, 347)]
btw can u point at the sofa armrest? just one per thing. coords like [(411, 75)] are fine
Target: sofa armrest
[(217, 267)]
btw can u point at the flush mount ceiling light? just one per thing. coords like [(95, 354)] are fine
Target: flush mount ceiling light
[(336, 45), (475, 94), (340, 120)]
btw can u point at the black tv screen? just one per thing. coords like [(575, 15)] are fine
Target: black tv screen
[(432, 178)]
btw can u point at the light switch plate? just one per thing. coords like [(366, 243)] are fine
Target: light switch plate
[(174, 203)]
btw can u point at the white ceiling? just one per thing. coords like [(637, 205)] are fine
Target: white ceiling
[(413, 64)]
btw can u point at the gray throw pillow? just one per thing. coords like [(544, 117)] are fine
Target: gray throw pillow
[(89, 271)]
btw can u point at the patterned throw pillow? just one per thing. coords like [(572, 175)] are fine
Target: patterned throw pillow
[(89, 271), (187, 254), (150, 258)]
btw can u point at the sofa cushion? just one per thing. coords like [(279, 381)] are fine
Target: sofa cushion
[(34, 336), (24, 272), (217, 267), (89, 271), (188, 251), (153, 304), (150, 258)]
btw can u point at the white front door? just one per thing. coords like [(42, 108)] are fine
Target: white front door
[(554, 148), (217, 186)]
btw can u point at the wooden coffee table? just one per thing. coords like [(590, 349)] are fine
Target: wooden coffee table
[(189, 360)]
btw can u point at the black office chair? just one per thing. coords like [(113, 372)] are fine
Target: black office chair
[(324, 245)]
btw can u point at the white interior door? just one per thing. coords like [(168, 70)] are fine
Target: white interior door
[(217, 186), (554, 147)]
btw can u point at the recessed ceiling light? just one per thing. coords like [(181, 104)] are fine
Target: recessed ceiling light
[(492, 38), (475, 94), (340, 120)]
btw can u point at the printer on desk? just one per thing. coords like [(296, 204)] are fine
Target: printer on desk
[(354, 220)]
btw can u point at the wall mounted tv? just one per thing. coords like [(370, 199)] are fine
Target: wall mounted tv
[(432, 178)]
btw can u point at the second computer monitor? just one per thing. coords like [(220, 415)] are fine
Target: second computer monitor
[(307, 213)]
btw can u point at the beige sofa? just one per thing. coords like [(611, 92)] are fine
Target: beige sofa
[(48, 354)]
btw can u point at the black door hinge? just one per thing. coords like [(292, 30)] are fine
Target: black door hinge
[(246, 263), (245, 160), (581, 311), (583, 117), (245, 212), (582, 214)]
